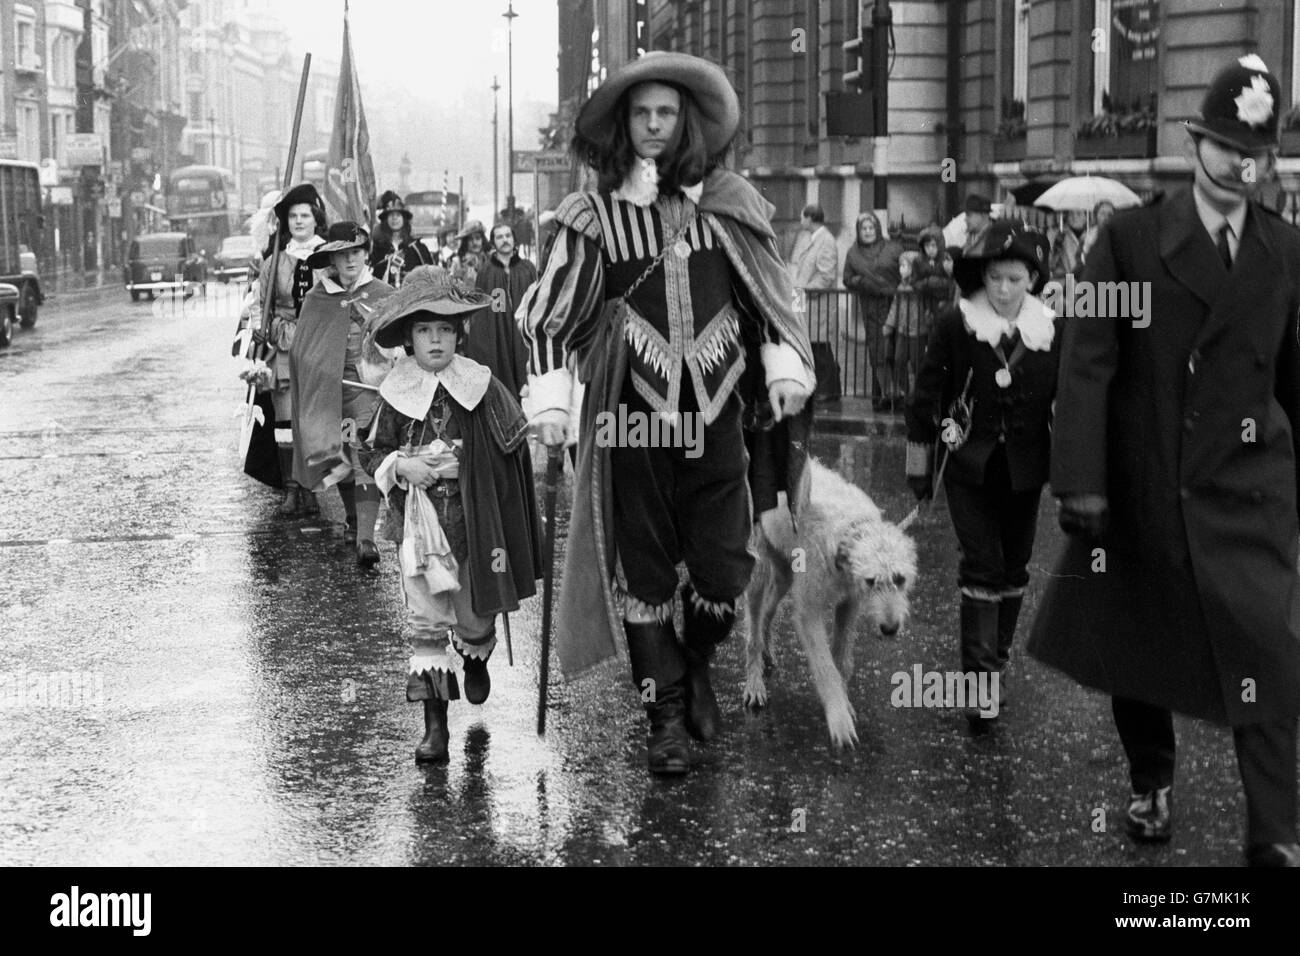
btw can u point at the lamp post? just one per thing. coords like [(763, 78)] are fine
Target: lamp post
[(496, 160), (510, 108), (212, 138)]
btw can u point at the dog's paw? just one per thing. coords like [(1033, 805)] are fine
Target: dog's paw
[(840, 723), (755, 692)]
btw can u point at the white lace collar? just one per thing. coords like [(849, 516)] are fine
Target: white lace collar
[(301, 249), (409, 388), (1034, 321), (332, 286), (641, 187)]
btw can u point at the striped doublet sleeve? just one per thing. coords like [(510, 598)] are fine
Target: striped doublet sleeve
[(568, 294)]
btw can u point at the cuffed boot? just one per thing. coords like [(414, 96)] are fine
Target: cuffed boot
[(1008, 616), (367, 497), (704, 632), (979, 641), (478, 682), (433, 748), (289, 505), (659, 673), (348, 494)]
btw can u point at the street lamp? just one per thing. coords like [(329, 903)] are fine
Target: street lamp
[(496, 159), (510, 107), (212, 138)]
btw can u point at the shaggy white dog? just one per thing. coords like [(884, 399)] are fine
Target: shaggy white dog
[(842, 559)]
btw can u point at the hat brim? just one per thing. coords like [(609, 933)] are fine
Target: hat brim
[(304, 194), (968, 268), (392, 334), (385, 213), (321, 257), (718, 104), (1244, 140)]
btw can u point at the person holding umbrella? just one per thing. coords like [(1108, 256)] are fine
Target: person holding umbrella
[(666, 284), (449, 453), (1174, 465)]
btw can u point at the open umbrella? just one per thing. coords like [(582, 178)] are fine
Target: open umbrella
[(1084, 192)]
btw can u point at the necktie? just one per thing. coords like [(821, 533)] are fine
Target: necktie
[(1225, 251)]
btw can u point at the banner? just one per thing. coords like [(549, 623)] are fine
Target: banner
[(350, 187)]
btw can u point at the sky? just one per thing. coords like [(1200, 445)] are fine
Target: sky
[(426, 69)]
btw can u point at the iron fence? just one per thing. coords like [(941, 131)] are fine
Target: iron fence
[(868, 346)]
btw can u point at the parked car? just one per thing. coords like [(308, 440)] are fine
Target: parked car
[(8, 313), (164, 261), (234, 257)]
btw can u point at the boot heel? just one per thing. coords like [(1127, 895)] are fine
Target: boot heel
[(657, 657), (437, 738)]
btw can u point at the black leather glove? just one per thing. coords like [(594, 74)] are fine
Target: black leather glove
[(1083, 514)]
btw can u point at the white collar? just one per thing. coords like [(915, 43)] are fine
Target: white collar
[(410, 389), (301, 249), (641, 187), (1213, 220), (1034, 321), (332, 286)]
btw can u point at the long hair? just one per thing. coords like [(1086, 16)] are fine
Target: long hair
[(611, 155), (384, 234), (857, 227)]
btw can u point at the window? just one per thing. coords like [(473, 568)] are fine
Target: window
[(196, 107), (1125, 71), (26, 41), (813, 63), (28, 119), (1020, 53)]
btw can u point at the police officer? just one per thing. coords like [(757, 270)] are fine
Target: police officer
[(1174, 462)]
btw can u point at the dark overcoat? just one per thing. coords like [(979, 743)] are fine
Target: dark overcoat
[(1189, 426)]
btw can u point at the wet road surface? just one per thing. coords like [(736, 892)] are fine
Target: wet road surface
[(244, 699)]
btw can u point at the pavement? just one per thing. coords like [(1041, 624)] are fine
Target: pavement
[(205, 683)]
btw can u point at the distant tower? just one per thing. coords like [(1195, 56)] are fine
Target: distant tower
[(404, 173)]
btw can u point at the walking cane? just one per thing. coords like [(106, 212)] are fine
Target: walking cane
[(555, 458), (510, 651)]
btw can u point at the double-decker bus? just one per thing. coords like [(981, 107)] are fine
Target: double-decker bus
[(430, 214), (21, 220), (201, 201)]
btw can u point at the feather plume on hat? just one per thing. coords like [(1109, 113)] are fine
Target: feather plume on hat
[(425, 289)]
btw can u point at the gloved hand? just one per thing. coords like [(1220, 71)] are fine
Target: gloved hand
[(1083, 514), (921, 486)]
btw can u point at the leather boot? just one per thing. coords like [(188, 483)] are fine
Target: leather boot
[(308, 505), (433, 748), (703, 633), (478, 682), (657, 657), (1008, 616), (289, 505), (979, 641)]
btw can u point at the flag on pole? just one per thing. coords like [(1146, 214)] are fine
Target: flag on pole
[(350, 188)]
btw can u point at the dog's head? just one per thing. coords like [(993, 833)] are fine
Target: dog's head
[(881, 562)]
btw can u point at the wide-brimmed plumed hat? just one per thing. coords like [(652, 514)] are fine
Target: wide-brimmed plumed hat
[(341, 236), (471, 227), (1240, 108), (1003, 239), (705, 81), (391, 202), (425, 289), (296, 196)]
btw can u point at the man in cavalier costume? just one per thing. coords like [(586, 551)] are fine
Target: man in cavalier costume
[(666, 287)]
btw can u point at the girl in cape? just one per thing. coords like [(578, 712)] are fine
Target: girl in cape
[(449, 451)]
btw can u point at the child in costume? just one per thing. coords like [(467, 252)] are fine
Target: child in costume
[(449, 451)]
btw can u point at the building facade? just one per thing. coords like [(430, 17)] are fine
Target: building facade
[(983, 96)]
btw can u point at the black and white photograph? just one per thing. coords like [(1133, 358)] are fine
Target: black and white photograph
[(651, 433)]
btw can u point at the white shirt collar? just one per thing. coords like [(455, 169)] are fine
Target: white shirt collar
[(1213, 220), (641, 186), (410, 389), (333, 287), (300, 249), (1034, 321)]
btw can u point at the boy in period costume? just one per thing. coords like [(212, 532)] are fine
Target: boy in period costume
[(449, 451), (666, 285), (332, 417)]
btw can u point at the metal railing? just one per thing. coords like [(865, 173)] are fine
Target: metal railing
[(875, 342)]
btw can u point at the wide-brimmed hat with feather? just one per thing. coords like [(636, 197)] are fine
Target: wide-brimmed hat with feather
[(425, 289)]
